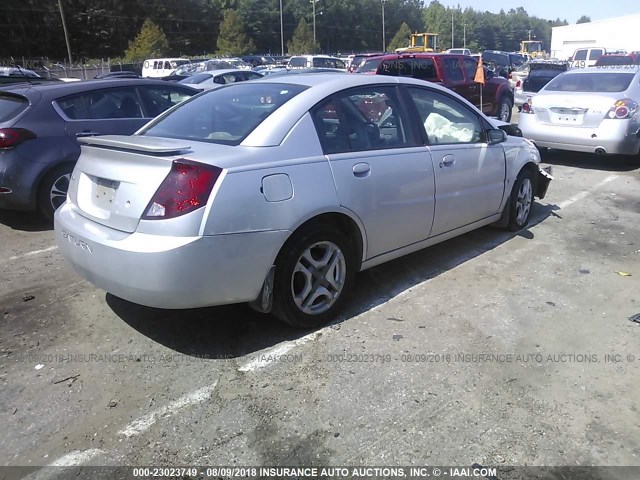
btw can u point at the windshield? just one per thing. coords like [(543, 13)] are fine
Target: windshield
[(591, 82), (533, 47), (226, 115)]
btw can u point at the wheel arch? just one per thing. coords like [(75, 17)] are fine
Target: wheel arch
[(347, 222)]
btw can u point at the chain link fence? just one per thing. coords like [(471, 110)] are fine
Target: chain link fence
[(61, 69)]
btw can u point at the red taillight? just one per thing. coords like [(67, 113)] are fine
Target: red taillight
[(10, 137), (518, 83), (526, 106), (186, 188), (623, 109)]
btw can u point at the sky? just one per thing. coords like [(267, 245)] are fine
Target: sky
[(569, 10)]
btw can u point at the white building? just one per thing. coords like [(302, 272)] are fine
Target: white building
[(613, 34)]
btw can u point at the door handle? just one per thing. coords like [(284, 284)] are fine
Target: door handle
[(86, 133), (447, 161), (361, 169)]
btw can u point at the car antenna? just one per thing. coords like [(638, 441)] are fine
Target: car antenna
[(21, 71)]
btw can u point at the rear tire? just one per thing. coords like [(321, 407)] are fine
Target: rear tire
[(505, 108), (314, 275), (53, 190), (521, 201)]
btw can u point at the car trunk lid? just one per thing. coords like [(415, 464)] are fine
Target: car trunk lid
[(572, 109), (116, 177)]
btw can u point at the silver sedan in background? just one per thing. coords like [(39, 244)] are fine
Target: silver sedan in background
[(591, 109), (218, 78), (278, 191)]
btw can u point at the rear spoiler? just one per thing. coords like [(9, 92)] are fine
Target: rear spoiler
[(138, 143)]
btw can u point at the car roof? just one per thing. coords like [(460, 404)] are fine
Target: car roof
[(605, 69), (56, 89), (340, 80)]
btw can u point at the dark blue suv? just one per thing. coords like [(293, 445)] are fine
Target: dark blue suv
[(39, 125)]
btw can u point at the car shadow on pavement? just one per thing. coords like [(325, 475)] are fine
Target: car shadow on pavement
[(25, 221), (236, 330), (590, 161)]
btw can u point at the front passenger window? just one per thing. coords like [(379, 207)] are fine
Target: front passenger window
[(445, 119)]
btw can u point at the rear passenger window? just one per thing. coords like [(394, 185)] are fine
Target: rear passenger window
[(102, 104), (11, 106), (453, 69), (363, 119), (470, 66), (595, 54)]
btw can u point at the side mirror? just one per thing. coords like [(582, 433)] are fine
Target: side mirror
[(495, 136)]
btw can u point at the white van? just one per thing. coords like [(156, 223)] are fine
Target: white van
[(161, 67)]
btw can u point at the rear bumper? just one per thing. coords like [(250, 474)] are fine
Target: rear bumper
[(164, 271), (619, 137), (20, 177)]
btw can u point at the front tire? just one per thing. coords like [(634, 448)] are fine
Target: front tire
[(53, 190), (314, 275), (521, 201), (505, 108)]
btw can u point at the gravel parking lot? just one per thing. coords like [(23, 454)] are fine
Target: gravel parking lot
[(496, 348)]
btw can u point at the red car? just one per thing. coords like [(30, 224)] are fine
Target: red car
[(457, 73)]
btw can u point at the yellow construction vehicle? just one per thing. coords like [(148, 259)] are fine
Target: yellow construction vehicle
[(533, 48), (421, 42)]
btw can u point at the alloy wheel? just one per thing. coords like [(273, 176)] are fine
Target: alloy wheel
[(523, 201), (59, 189), (318, 277)]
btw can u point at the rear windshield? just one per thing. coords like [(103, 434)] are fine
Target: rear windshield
[(197, 78), (497, 58), (11, 106), (614, 60), (544, 73), (369, 66), (591, 82), (422, 68), (298, 62), (226, 115)]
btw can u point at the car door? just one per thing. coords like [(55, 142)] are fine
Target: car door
[(105, 111), (381, 172), (469, 173)]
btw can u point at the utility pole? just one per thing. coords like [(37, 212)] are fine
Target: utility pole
[(464, 35), (281, 31), (384, 37), (452, 46), (66, 34), (313, 2)]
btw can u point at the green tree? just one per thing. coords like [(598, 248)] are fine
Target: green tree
[(583, 19), (150, 42), (232, 40), (302, 40), (400, 39)]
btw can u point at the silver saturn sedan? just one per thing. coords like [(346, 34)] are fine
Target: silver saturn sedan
[(278, 191), (591, 109)]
